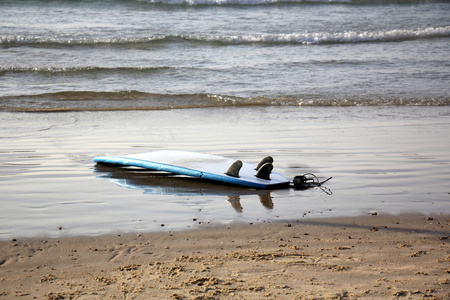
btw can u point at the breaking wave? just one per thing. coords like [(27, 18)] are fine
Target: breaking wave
[(82, 70), (135, 100), (270, 39), (277, 2)]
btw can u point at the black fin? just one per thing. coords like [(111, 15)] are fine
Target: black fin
[(264, 171), (234, 168), (235, 202), (267, 159)]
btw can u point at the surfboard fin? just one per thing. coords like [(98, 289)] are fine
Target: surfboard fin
[(234, 168), (267, 159), (264, 171)]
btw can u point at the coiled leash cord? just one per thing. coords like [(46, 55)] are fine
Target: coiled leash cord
[(309, 180)]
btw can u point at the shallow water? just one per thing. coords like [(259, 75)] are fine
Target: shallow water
[(138, 54), (382, 159)]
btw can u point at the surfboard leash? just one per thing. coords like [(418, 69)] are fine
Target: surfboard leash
[(309, 180)]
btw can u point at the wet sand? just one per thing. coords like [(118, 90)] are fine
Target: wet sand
[(385, 159), (373, 257)]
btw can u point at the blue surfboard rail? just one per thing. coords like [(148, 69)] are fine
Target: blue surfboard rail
[(225, 179), (133, 162)]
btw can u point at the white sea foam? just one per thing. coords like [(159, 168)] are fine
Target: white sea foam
[(238, 2), (268, 2), (295, 38), (332, 38)]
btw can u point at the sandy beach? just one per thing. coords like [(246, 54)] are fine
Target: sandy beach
[(353, 90), (372, 257)]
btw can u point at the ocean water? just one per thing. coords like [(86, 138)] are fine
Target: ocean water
[(114, 54), (357, 90)]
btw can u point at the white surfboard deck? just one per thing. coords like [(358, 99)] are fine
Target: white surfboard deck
[(205, 166)]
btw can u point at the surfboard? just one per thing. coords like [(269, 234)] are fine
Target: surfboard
[(207, 167), (162, 183)]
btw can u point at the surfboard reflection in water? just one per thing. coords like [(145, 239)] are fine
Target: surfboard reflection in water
[(161, 183)]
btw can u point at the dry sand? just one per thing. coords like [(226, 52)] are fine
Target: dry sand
[(374, 257)]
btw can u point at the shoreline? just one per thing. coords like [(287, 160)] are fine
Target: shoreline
[(50, 180), (369, 257)]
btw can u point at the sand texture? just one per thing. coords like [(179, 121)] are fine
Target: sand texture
[(374, 257)]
